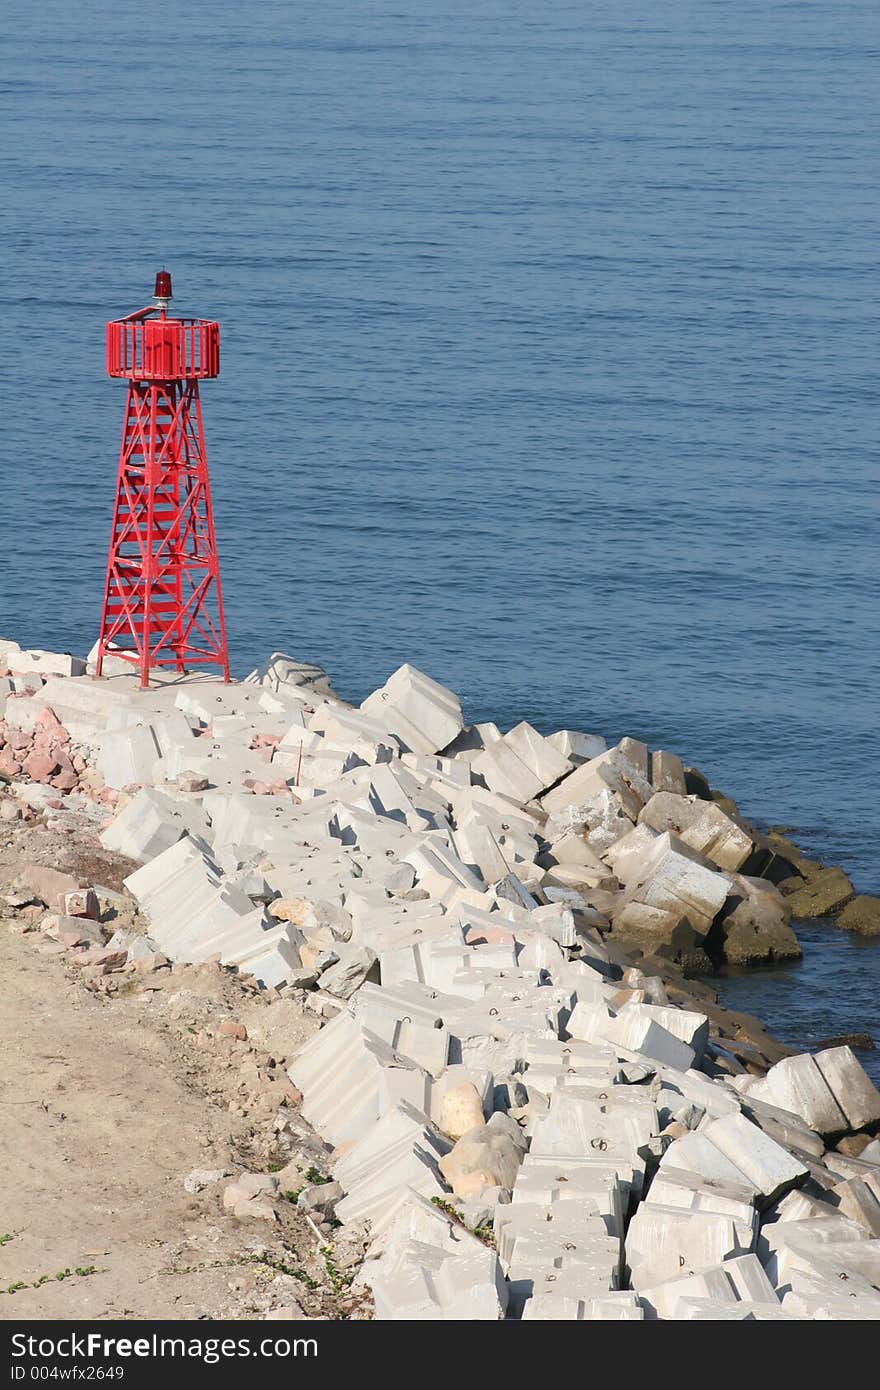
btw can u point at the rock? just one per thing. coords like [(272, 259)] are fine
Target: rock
[(301, 978), (192, 782), (860, 1041), (83, 902), (349, 972), (285, 1312), (255, 1208), (753, 926), (461, 1110), (652, 932), (49, 885), (200, 1178), (853, 1145), (72, 931), (320, 1197), (230, 1029), (248, 1186), (40, 766), (861, 915), (485, 1156), (829, 891)]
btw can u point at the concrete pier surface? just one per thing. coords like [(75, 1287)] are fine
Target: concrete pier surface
[(507, 1090)]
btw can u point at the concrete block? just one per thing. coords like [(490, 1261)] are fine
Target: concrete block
[(672, 1188), (610, 1307), (665, 1242), (769, 1167), (688, 1026), (609, 772), (284, 673), (674, 879), (564, 1226), (128, 756), (349, 1078), (701, 825), (505, 773), (812, 1246), (815, 1297), (850, 1085), (598, 1192), (796, 1084), (46, 663), (431, 1269), (857, 1201), (399, 1152), (630, 855), (573, 850), (667, 773), (737, 1280), (478, 848), (576, 747), (639, 1032), (787, 1129), (424, 715), (696, 1154), (150, 823), (577, 1125), (540, 756)]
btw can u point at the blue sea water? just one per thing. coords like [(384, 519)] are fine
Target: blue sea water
[(548, 364)]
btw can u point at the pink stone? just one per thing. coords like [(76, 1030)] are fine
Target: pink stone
[(16, 738), (9, 764), (40, 766), (265, 740), (64, 781), (48, 719)]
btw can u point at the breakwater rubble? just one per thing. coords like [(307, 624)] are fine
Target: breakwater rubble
[(526, 1104)]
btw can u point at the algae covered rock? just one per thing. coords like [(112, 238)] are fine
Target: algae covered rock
[(822, 895), (861, 915)]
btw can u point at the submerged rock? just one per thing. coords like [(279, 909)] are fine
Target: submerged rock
[(822, 895), (753, 927), (861, 915)]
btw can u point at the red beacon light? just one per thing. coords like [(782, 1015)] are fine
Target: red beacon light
[(162, 293), (162, 599)]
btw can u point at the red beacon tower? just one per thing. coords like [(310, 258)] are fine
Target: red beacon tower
[(162, 599)]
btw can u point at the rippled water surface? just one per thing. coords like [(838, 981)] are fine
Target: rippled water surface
[(549, 343)]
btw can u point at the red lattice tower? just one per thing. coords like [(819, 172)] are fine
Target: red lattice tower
[(162, 599)]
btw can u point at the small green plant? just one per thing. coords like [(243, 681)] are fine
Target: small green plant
[(339, 1281), (282, 1268), (292, 1197), (484, 1234), (14, 1288), (4, 1240), (314, 1176)]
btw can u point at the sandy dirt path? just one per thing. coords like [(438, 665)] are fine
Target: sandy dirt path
[(112, 1090)]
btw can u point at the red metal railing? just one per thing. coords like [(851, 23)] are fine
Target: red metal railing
[(163, 349)]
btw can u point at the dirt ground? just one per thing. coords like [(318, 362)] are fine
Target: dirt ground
[(113, 1088)]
